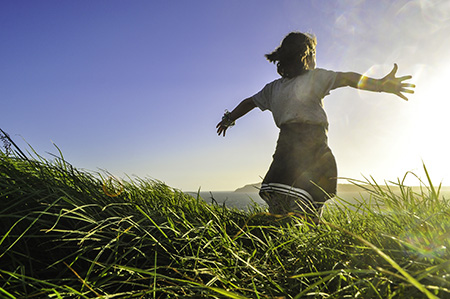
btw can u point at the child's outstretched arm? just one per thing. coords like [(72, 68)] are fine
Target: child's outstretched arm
[(243, 108), (389, 83)]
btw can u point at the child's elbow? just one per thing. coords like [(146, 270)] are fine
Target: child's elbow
[(347, 79), (250, 103)]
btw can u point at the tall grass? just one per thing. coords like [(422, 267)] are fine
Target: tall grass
[(69, 233)]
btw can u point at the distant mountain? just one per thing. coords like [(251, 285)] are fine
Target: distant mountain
[(250, 188)]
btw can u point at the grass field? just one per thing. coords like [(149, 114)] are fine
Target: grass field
[(66, 233)]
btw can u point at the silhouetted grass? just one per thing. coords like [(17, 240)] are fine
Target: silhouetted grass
[(69, 233)]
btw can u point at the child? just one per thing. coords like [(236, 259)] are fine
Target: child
[(303, 173)]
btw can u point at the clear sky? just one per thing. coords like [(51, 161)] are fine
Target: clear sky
[(137, 87)]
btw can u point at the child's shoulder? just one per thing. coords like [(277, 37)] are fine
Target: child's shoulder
[(322, 74), (323, 71)]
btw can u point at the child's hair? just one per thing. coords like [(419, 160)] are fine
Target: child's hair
[(292, 53)]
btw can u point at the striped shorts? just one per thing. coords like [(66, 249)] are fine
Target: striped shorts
[(303, 173)]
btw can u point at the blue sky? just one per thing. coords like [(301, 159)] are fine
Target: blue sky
[(137, 87)]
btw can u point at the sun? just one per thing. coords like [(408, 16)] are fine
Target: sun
[(428, 123)]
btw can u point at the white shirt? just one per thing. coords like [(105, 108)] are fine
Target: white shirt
[(299, 99)]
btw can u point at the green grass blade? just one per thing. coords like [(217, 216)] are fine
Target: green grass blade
[(6, 293), (387, 258)]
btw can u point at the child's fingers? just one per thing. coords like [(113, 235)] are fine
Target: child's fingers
[(394, 69), (407, 90), (402, 96), (405, 78), (221, 130)]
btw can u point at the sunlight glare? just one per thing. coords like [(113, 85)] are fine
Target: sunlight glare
[(435, 12), (428, 123)]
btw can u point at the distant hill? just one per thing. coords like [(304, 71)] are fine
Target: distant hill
[(250, 188)]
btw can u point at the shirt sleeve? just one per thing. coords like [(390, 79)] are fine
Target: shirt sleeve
[(323, 81), (262, 98)]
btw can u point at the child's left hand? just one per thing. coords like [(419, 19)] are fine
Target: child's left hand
[(225, 123), (221, 128)]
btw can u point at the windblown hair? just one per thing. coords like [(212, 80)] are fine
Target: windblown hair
[(290, 56)]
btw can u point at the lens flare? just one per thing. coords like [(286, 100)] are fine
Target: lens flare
[(372, 72), (112, 186), (425, 241), (435, 12)]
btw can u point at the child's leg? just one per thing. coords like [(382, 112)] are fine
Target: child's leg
[(282, 204), (278, 205)]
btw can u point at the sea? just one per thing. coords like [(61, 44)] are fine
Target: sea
[(246, 200)]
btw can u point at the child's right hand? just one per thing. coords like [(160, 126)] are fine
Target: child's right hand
[(395, 85)]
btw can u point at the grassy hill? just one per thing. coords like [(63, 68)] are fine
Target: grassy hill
[(66, 233)]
